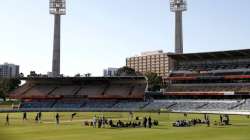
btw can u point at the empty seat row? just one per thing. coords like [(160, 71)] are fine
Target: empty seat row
[(174, 105)]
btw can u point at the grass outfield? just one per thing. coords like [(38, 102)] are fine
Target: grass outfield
[(67, 130)]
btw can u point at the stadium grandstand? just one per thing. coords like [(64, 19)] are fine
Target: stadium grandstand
[(205, 82), (223, 74), (84, 93), (214, 82)]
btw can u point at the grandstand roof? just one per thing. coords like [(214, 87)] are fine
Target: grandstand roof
[(212, 55), (81, 87), (86, 78)]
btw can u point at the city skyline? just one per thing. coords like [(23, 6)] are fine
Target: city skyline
[(98, 34)]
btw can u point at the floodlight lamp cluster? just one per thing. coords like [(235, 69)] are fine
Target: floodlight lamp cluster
[(57, 7), (178, 5)]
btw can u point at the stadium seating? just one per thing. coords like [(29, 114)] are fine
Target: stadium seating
[(138, 91), (219, 105), (118, 90), (160, 104), (212, 66), (92, 90), (67, 90), (156, 105), (206, 87), (68, 103), (99, 104), (130, 105), (186, 105), (98, 95), (22, 90), (243, 105), (40, 90), (196, 105), (38, 104)]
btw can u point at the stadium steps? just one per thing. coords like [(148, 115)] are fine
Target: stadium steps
[(168, 107), (52, 90), (76, 91), (116, 102), (199, 107), (53, 104), (29, 88), (83, 104), (145, 105), (131, 90), (237, 105), (105, 89)]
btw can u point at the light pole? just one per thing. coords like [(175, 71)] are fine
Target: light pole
[(57, 8), (178, 6)]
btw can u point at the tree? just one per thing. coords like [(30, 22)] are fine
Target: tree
[(154, 81), (87, 75), (21, 75), (8, 85), (77, 75), (126, 71)]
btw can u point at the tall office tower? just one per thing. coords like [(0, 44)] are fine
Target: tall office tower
[(178, 6), (57, 8)]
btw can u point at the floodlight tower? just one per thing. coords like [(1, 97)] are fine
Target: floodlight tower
[(57, 8), (178, 6)]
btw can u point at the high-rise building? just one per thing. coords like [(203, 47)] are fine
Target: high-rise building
[(110, 72), (57, 8), (178, 6), (9, 70), (154, 61)]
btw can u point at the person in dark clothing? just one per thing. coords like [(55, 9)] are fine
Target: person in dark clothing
[(40, 116), (111, 123), (36, 118), (24, 116), (205, 116), (137, 118), (118, 124), (99, 123), (7, 120), (156, 123), (159, 112), (139, 124), (185, 114), (133, 124), (221, 119), (145, 122), (208, 123), (57, 119), (72, 116), (149, 122), (226, 119)]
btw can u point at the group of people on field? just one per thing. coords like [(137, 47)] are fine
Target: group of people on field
[(188, 123), (101, 122), (146, 122), (192, 122), (38, 118), (224, 120)]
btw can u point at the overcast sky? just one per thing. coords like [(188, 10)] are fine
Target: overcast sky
[(97, 34)]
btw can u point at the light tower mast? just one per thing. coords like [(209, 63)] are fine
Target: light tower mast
[(57, 8), (178, 6)]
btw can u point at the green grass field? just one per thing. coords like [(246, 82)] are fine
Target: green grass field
[(67, 130)]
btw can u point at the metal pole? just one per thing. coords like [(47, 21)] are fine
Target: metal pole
[(56, 46), (178, 33)]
